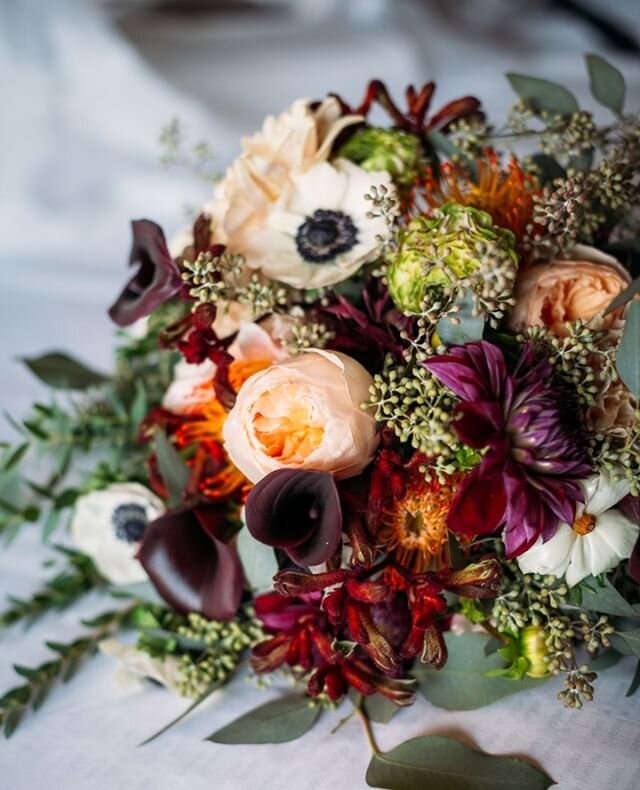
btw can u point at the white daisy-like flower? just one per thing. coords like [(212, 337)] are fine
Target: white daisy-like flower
[(137, 666), (597, 541), (318, 232), (108, 525)]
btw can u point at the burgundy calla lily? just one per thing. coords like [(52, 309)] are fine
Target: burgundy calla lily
[(298, 511), (156, 280), (190, 566)]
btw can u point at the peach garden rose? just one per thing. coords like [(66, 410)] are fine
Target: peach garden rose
[(303, 413), (553, 293)]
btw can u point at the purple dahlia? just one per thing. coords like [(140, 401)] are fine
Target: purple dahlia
[(527, 481)]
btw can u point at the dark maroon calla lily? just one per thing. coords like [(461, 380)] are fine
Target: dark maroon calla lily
[(156, 280), (298, 511), (190, 566)]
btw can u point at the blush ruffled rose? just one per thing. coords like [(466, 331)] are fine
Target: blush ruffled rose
[(554, 293), (303, 413)]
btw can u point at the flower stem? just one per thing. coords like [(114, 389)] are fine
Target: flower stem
[(367, 726)]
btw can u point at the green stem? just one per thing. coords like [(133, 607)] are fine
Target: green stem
[(367, 727)]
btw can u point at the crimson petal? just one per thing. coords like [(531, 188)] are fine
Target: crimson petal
[(298, 511), (479, 505), (190, 566), (156, 280)]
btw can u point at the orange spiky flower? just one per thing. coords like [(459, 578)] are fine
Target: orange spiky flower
[(414, 527), (217, 477), (506, 194)]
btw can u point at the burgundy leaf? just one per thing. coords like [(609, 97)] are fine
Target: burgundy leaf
[(156, 280), (298, 511), (190, 566)]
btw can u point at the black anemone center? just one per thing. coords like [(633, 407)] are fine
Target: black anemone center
[(129, 522), (325, 235)]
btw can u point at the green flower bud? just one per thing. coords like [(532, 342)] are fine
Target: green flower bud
[(534, 649), (444, 249), (399, 153)]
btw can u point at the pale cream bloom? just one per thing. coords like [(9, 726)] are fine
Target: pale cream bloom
[(192, 384), (303, 413), (598, 540), (108, 525), (289, 143), (137, 666), (580, 287)]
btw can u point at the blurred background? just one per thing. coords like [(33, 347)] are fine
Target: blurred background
[(87, 85)]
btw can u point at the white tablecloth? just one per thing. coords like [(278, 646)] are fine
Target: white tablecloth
[(80, 113)]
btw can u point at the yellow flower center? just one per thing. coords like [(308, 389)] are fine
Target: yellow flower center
[(286, 425), (584, 524)]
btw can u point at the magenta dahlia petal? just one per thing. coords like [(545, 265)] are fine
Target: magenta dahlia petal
[(537, 456)]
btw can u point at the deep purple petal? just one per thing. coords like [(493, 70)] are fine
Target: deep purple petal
[(188, 564), (298, 511), (156, 280)]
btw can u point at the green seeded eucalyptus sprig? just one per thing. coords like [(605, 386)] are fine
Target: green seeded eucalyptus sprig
[(70, 655), (79, 577)]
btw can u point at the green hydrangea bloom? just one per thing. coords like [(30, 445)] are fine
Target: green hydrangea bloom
[(445, 249), (399, 153)]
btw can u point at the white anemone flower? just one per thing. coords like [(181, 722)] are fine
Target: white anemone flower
[(597, 541), (318, 232), (108, 525)]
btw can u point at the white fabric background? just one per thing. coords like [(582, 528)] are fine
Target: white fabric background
[(83, 94)]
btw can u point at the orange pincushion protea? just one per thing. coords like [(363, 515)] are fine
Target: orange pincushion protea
[(414, 527), (507, 195), (218, 477)]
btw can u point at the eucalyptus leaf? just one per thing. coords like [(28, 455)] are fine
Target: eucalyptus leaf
[(435, 761), (462, 327), (443, 144), (627, 642), (624, 296), (15, 456), (606, 83), (61, 371), (543, 96), (461, 684), (548, 167), (582, 161), (173, 469), (606, 599), (377, 707), (635, 681), (628, 359), (278, 721), (258, 561)]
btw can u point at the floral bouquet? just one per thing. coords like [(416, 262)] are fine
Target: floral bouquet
[(374, 418)]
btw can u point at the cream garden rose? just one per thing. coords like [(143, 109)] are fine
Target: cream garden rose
[(303, 413), (553, 293)]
